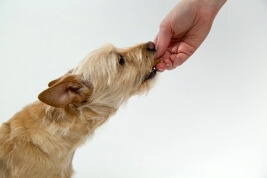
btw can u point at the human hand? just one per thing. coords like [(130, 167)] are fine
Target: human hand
[(183, 30)]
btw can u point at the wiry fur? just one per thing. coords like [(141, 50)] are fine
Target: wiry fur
[(40, 140)]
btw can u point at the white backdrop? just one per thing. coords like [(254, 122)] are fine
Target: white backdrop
[(206, 119)]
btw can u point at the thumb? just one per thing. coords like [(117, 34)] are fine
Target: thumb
[(162, 41)]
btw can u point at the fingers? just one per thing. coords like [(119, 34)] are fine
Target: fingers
[(161, 67), (178, 59), (163, 63), (172, 62), (162, 40)]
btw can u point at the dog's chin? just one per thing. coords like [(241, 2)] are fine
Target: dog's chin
[(151, 74), (153, 71)]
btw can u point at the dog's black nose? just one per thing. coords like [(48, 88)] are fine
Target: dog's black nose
[(150, 46)]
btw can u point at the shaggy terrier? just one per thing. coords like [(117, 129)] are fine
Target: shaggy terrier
[(40, 140)]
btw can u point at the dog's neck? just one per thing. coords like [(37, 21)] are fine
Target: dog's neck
[(59, 131), (87, 118)]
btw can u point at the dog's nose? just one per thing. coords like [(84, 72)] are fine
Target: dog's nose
[(150, 46)]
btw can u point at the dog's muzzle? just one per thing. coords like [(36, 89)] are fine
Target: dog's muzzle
[(150, 46)]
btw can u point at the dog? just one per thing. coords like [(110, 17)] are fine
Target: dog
[(41, 139)]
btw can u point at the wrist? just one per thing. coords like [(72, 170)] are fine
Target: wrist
[(214, 5), (209, 6)]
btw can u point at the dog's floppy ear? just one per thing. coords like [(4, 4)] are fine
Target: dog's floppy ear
[(50, 84), (65, 90)]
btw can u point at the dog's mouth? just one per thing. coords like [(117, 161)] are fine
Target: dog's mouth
[(153, 71)]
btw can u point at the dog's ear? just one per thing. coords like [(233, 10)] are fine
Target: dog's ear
[(50, 84), (65, 90)]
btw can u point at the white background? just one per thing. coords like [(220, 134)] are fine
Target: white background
[(206, 119)]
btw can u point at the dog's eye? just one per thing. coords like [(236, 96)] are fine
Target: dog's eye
[(121, 60)]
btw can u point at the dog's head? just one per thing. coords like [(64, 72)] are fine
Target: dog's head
[(106, 77)]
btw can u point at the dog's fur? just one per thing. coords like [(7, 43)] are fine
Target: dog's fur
[(40, 140)]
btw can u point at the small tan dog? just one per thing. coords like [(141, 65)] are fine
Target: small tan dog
[(40, 140)]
